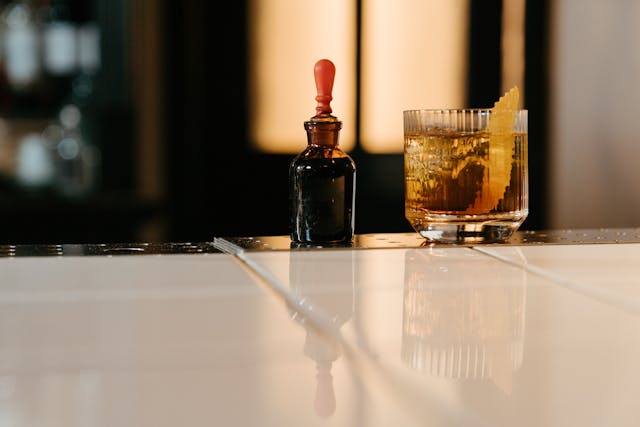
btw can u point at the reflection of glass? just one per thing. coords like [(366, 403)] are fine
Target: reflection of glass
[(461, 319), (465, 180), (329, 293)]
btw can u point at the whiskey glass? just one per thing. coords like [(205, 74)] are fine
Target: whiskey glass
[(466, 181)]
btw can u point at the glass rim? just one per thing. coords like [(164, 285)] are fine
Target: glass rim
[(458, 110)]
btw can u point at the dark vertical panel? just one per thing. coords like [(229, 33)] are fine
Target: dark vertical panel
[(187, 112), (485, 61), (380, 177), (358, 70), (112, 104), (537, 102), (218, 184)]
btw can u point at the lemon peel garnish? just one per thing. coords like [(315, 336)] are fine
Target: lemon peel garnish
[(497, 171)]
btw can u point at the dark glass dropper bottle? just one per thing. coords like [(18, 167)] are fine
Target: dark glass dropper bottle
[(322, 177)]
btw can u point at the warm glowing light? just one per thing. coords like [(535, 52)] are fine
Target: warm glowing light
[(413, 56), (513, 44), (286, 40)]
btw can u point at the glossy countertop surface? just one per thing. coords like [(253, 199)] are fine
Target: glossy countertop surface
[(539, 331)]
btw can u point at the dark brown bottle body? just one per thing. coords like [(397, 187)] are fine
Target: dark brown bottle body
[(322, 188)]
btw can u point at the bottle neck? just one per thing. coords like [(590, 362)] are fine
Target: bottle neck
[(323, 133)]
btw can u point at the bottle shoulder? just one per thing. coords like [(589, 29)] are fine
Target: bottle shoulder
[(320, 152)]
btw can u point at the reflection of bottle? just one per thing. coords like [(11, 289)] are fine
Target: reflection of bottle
[(324, 351), (329, 293), (455, 330), (322, 177), (34, 168), (83, 84), (89, 48), (59, 40), (20, 40), (78, 162)]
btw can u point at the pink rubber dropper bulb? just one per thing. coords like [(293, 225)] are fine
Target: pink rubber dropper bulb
[(324, 72)]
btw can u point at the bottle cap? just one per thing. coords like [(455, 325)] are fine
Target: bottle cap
[(324, 72)]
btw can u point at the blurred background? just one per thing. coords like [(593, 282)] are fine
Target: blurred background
[(155, 120)]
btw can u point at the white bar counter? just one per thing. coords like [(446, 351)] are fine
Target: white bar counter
[(541, 331)]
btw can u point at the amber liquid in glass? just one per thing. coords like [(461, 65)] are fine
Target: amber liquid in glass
[(449, 174)]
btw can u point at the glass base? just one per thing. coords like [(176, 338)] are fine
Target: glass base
[(448, 230)]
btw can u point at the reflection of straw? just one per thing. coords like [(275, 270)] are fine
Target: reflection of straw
[(497, 173)]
